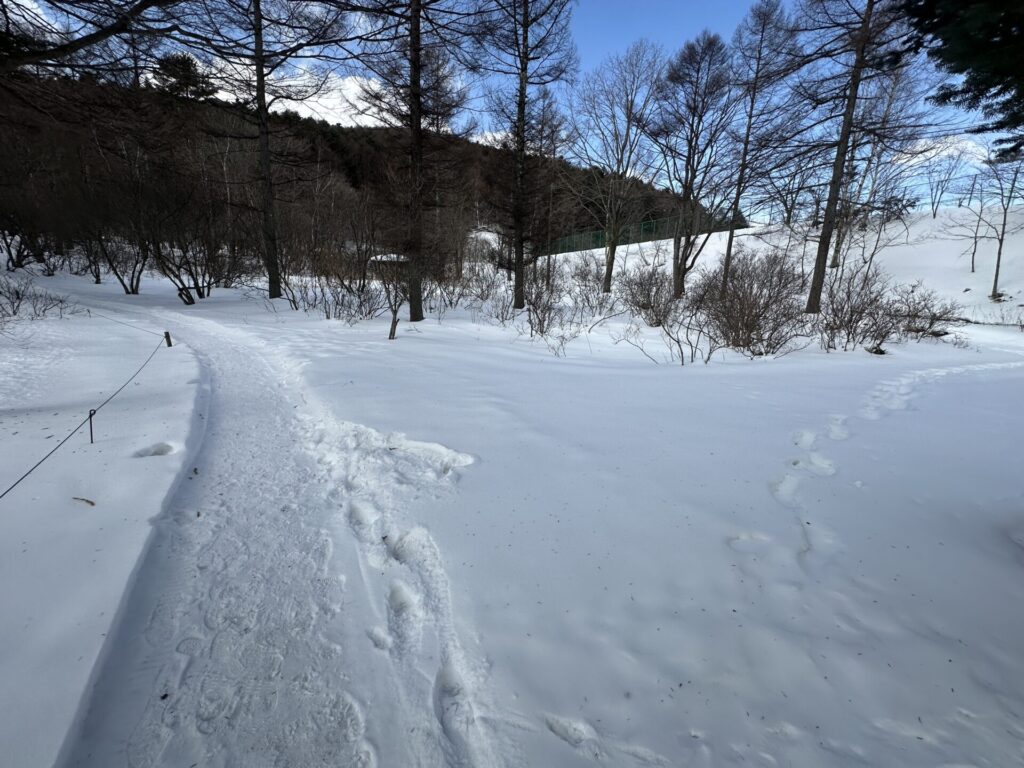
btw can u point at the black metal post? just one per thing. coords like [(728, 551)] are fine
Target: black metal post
[(92, 412), (167, 338)]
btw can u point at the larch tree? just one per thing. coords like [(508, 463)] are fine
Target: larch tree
[(263, 51), (531, 47), (57, 34), (689, 125), (846, 42), (764, 51), (414, 58), (607, 138), (981, 43)]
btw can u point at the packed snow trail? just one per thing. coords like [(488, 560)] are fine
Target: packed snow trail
[(240, 641)]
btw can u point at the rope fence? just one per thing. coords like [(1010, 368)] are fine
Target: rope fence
[(92, 312), (165, 340)]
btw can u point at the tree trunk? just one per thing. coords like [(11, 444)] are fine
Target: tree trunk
[(393, 330), (727, 259), (415, 245), (995, 280), (271, 259), (741, 177), (677, 267), (609, 263), (829, 220), (519, 188), (999, 256)]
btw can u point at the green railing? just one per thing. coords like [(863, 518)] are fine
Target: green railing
[(638, 232)]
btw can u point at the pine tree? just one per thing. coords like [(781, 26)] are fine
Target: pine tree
[(982, 42), (179, 74)]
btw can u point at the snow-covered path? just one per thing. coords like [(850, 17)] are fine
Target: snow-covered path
[(233, 644), (805, 561)]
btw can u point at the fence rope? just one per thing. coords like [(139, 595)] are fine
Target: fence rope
[(86, 419), (121, 322)]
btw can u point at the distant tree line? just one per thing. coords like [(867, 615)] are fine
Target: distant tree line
[(154, 134)]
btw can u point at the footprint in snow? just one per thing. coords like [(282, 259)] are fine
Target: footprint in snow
[(582, 737), (157, 449), (837, 427), (816, 464), (805, 439), (785, 490)]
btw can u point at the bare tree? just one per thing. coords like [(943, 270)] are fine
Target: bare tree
[(875, 195), (264, 51), (413, 59), (847, 42), (1006, 182), (975, 199), (689, 125), (764, 50), (940, 171), (51, 33), (607, 139), (531, 45)]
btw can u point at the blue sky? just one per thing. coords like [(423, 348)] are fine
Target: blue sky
[(604, 27)]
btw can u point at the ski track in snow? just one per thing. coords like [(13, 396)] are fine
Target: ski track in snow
[(886, 396), (227, 622)]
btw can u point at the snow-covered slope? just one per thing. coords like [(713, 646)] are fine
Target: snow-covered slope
[(935, 252), (457, 549)]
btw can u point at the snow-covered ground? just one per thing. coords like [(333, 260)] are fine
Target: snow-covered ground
[(74, 530), (457, 549)]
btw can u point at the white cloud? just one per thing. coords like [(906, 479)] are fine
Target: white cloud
[(338, 102)]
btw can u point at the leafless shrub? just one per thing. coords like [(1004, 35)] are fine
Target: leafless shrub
[(586, 286), (20, 297), (492, 296), (549, 316), (761, 310), (483, 281), (634, 336), (395, 282), (544, 309), (646, 290), (126, 259), (961, 342), (360, 303), (691, 333), (924, 312), (452, 291), (14, 293), (858, 310)]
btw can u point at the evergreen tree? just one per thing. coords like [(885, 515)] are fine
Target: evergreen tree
[(981, 41), (179, 74)]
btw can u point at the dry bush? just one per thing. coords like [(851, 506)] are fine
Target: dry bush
[(337, 299), (20, 297), (550, 314), (924, 313), (483, 282), (544, 307), (586, 285), (451, 291), (692, 332), (761, 310), (499, 304), (857, 310), (646, 290)]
